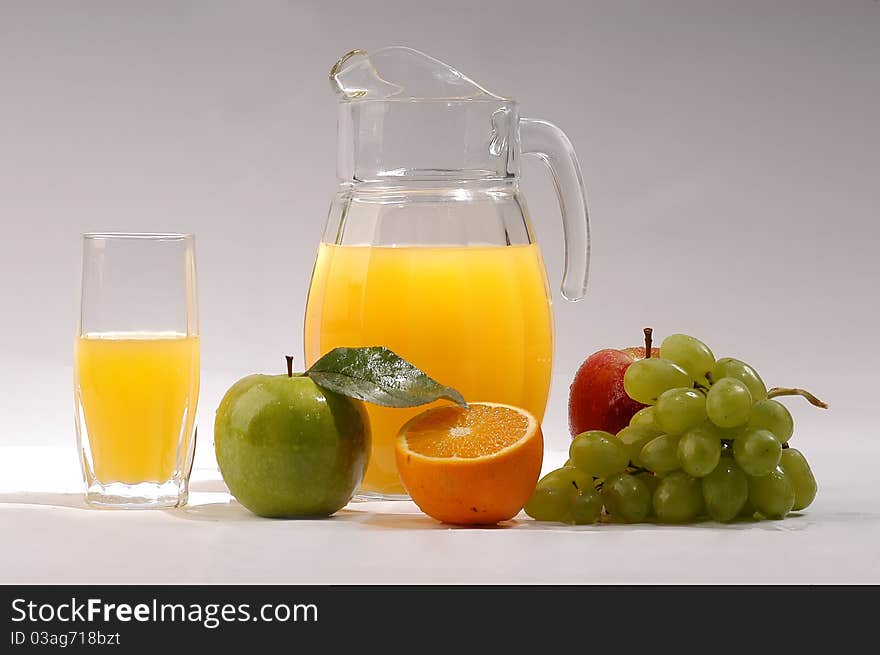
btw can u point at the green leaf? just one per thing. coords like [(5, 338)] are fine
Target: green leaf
[(378, 375)]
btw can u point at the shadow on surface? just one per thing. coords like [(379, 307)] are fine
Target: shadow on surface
[(212, 512), (403, 515), (43, 499)]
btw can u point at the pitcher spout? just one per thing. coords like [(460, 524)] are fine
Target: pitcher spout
[(401, 73), (354, 77)]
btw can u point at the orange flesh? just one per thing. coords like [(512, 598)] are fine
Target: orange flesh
[(455, 432)]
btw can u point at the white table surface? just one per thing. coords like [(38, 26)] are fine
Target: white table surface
[(47, 535)]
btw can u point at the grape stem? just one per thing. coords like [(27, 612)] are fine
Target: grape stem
[(776, 392), (648, 335)]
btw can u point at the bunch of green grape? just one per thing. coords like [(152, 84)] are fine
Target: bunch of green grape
[(712, 442)]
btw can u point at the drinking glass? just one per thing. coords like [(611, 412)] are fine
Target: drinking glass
[(136, 368)]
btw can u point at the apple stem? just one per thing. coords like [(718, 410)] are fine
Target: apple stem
[(289, 359), (775, 392), (648, 335)]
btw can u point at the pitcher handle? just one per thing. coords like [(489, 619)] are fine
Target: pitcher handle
[(549, 143)]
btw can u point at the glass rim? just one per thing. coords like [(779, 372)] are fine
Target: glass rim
[(153, 236)]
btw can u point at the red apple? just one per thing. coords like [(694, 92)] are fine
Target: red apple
[(597, 399), (638, 352)]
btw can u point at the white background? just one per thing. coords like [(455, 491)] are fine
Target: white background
[(731, 152)]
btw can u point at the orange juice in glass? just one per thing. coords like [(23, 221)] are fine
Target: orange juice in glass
[(428, 248), (138, 393), (136, 369)]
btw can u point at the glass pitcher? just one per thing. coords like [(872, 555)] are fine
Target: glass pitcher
[(428, 248)]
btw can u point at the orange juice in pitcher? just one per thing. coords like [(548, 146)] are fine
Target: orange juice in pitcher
[(485, 326), (428, 249)]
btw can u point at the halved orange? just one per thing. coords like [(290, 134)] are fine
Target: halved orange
[(470, 466)]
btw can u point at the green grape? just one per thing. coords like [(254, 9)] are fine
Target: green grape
[(801, 477), (568, 478), (729, 433), (748, 510), (678, 498), (728, 403), (757, 451), (772, 494), (725, 491), (646, 379), (627, 498), (598, 453), (644, 416), (650, 480), (699, 450), (691, 354), (635, 437), (678, 410), (771, 415), (660, 455), (555, 494), (728, 367), (586, 507), (549, 504)]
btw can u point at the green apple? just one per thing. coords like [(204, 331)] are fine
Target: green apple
[(289, 448)]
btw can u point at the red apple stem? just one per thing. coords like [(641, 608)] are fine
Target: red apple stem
[(289, 359), (649, 332), (775, 392)]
